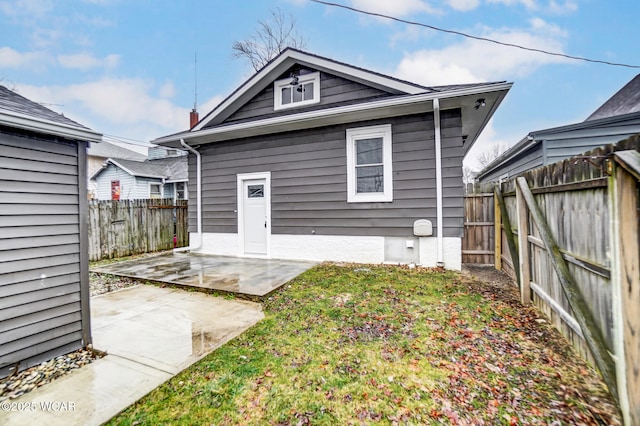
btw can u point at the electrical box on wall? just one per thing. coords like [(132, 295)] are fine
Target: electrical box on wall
[(422, 228)]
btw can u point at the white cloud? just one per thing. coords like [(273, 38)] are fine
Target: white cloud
[(396, 8), (474, 60), (563, 8), (487, 141), (529, 4), (26, 8), (121, 107), (464, 5), (86, 61), (167, 90), (10, 58)]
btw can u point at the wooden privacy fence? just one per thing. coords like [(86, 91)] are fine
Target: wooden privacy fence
[(127, 227), (479, 230), (570, 237)]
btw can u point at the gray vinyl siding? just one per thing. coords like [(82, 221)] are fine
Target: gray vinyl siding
[(40, 240), (333, 90), (309, 180)]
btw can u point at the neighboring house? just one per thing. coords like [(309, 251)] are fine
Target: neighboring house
[(44, 275), (317, 159), (99, 153), (615, 120), (131, 180)]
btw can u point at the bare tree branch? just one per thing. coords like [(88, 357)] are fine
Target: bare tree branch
[(270, 39), (491, 153)]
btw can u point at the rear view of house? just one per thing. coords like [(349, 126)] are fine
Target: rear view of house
[(44, 278), (316, 159)]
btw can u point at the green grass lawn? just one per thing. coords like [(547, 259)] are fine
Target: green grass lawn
[(357, 344)]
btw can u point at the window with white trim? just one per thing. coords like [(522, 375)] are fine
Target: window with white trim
[(369, 164), (155, 190), (181, 190), (297, 91)]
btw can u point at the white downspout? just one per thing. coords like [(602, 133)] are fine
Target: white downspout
[(198, 198), (438, 143)]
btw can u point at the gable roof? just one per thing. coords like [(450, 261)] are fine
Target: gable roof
[(406, 98), (289, 57), (624, 101), (169, 169), (18, 111), (105, 149)]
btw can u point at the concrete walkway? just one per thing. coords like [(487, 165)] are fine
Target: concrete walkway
[(150, 335)]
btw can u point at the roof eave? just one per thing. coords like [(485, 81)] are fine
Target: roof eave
[(343, 114), (26, 122)]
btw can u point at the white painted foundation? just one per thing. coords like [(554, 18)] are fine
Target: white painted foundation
[(336, 248), (452, 252)]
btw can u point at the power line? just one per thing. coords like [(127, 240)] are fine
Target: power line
[(420, 24)]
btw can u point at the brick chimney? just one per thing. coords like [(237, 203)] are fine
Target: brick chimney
[(193, 118)]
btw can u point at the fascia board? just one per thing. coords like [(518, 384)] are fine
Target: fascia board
[(26, 122), (548, 133), (357, 74), (343, 112), (276, 67)]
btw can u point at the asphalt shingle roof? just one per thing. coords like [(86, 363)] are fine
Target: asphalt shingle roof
[(108, 150), (625, 101), (174, 168), (12, 102)]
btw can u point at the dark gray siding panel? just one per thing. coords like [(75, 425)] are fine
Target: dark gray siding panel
[(333, 90), (40, 314), (309, 180)]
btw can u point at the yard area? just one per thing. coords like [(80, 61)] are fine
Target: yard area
[(353, 344)]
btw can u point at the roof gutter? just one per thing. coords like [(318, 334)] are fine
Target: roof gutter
[(26, 122), (198, 197)]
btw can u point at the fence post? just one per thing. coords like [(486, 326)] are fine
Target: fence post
[(625, 279), (523, 247), (497, 229), (511, 242)]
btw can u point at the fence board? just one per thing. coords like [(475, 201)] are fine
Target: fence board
[(478, 244), (128, 227)]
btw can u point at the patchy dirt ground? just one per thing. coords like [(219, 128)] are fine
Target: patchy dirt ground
[(497, 285)]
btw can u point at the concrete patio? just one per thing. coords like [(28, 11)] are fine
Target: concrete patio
[(245, 276), (150, 334)]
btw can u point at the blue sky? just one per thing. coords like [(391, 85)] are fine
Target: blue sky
[(126, 67)]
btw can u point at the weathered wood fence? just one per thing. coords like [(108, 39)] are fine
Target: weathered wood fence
[(479, 230), (569, 235), (127, 227)]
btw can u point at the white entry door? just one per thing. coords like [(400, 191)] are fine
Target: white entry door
[(255, 218)]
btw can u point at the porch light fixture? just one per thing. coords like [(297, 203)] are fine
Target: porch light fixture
[(480, 103)]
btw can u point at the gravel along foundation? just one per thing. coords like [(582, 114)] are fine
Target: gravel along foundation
[(25, 381), (16, 385)]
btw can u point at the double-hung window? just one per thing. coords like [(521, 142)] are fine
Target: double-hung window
[(297, 91), (369, 164)]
